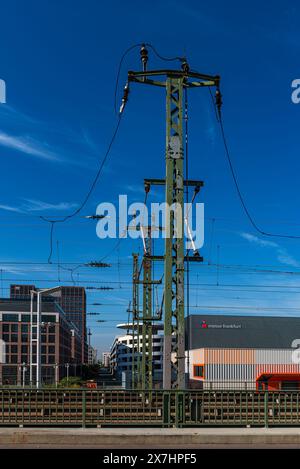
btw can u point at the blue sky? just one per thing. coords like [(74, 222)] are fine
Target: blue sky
[(59, 60)]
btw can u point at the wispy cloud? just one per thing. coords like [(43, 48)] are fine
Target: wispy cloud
[(44, 140), (285, 258), (282, 255), (260, 242), (10, 208), (33, 205), (27, 145)]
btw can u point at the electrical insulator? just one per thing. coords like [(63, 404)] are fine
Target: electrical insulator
[(144, 57), (125, 98)]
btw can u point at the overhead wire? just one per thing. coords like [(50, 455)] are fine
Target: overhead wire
[(126, 52), (90, 190), (236, 182)]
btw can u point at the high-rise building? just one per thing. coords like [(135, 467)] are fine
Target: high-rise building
[(60, 342), (92, 355), (73, 302), (106, 359)]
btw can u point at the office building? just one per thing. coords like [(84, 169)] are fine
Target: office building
[(106, 359), (60, 342), (73, 302)]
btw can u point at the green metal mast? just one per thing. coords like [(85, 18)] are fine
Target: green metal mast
[(174, 246), (174, 81), (147, 379), (135, 325)]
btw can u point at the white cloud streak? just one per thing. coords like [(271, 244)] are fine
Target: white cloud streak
[(33, 205), (282, 255), (27, 145)]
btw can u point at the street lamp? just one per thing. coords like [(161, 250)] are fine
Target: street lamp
[(23, 369), (67, 368), (56, 373), (35, 333)]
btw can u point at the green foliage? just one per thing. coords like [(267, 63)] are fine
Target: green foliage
[(71, 382)]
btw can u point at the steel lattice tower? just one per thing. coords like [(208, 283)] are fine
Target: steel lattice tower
[(174, 81)]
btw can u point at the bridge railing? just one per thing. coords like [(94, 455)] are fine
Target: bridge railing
[(93, 407)]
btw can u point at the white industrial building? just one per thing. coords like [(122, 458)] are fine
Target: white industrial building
[(121, 350)]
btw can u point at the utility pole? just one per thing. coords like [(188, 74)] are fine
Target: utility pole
[(35, 334), (135, 324), (174, 82), (147, 378)]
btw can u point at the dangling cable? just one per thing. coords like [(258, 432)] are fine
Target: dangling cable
[(86, 198), (120, 113), (134, 46), (217, 106)]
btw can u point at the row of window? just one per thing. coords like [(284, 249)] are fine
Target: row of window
[(46, 359), (25, 338), (25, 349), (26, 317)]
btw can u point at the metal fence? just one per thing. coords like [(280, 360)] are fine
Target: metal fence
[(89, 407)]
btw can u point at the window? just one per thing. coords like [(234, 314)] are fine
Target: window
[(24, 328), (48, 318), (10, 317), (14, 327), (199, 371), (5, 328), (25, 317), (14, 338), (14, 349)]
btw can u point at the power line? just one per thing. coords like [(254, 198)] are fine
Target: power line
[(120, 113), (134, 46), (86, 198), (251, 308), (236, 183)]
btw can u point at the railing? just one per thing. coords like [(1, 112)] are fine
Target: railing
[(91, 407)]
